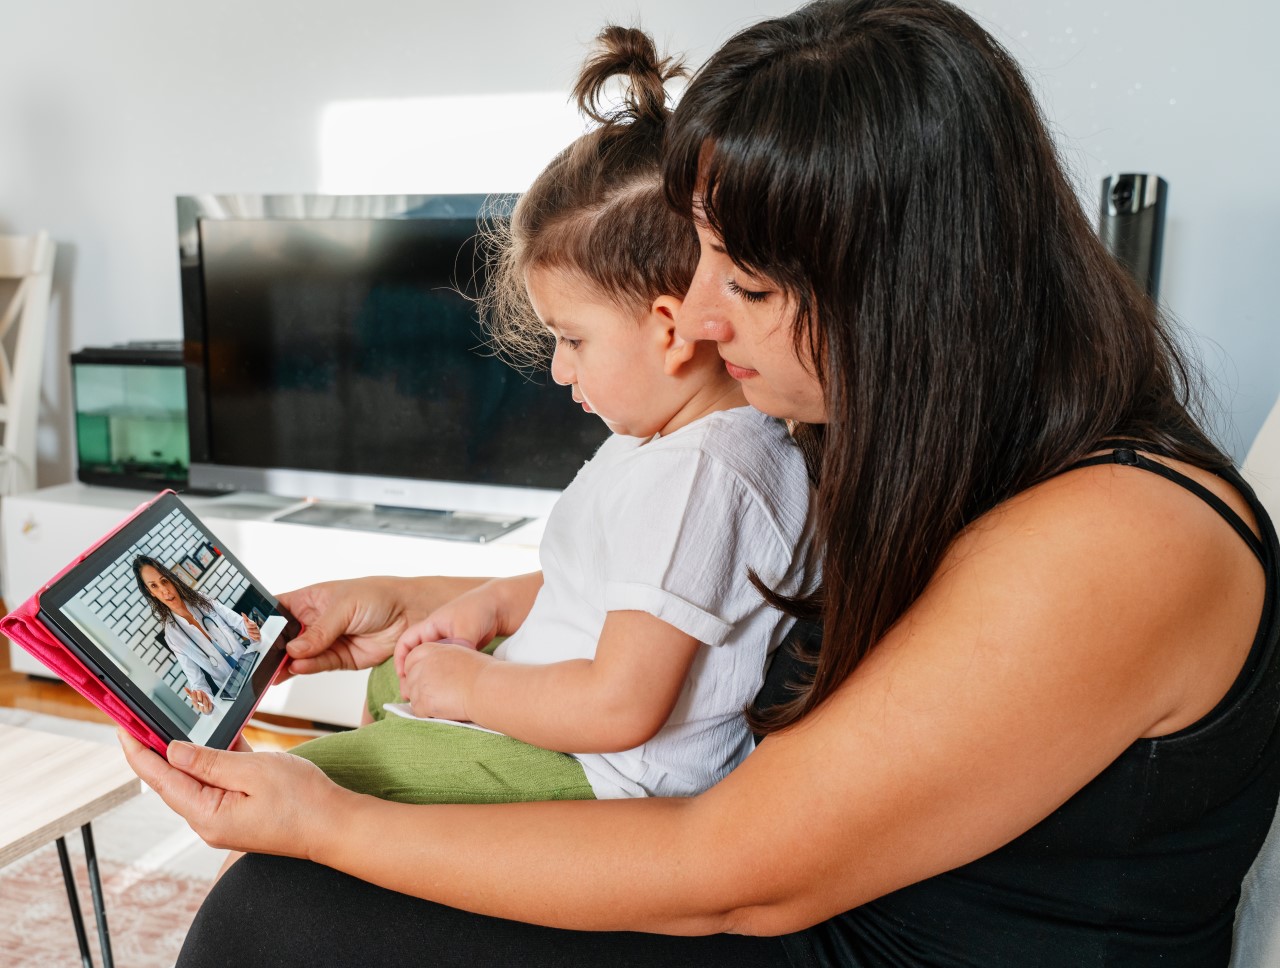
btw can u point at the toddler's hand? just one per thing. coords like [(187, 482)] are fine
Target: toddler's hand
[(439, 676), (420, 634), (471, 619)]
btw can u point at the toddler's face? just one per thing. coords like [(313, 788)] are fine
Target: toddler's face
[(611, 360)]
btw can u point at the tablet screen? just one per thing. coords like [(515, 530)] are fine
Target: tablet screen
[(187, 637)]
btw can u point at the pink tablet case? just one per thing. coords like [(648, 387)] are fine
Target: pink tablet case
[(24, 627)]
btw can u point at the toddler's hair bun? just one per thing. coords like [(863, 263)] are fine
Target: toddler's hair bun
[(630, 53)]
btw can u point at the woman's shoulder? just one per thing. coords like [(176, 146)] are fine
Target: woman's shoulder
[(1126, 571), (1123, 505), (1115, 520)]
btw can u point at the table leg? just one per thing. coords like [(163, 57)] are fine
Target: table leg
[(95, 886), (74, 901)]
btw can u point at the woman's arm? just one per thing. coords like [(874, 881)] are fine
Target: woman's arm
[(235, 621), (613, 702), (194, 674), (180, 645), (1101, 607), (354, 624)]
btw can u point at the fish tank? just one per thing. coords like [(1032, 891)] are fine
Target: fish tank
[(131, 415)]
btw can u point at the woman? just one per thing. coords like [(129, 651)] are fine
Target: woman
[(1042, 726), (207, 638)]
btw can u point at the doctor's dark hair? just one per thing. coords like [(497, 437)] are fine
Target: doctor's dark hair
[(598, 210), (185, 592), (885, 164)]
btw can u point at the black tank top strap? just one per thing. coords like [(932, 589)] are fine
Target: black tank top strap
[(1126, 455), (1124, 443)]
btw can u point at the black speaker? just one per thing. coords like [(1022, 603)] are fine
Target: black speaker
[(1132, 224)]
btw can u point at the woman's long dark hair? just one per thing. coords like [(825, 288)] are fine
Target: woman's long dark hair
[(185, 592), (885, 163)]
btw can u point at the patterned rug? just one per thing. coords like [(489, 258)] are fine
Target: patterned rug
[(155, 872), (148, 913)]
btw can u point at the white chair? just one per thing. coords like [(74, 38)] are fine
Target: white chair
[(1262, 466), (1257, 934), (28, 260)]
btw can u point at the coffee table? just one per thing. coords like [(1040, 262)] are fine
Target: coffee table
[(53, 784)]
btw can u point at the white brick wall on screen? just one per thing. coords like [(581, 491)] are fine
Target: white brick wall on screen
[(116, 599)]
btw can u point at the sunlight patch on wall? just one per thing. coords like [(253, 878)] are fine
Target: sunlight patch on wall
[(429, 145)]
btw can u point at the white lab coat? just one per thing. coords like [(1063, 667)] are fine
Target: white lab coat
[(201, 663)]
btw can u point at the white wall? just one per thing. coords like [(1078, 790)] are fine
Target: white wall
[(1187, 91), (109, 110)]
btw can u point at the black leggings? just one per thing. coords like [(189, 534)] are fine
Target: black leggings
[(279, 912)]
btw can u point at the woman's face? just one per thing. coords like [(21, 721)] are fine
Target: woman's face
[(751, 322), (159, 586)]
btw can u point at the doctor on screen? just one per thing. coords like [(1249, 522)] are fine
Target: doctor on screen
[(207, 638)]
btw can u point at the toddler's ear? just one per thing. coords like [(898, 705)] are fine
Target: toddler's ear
[(679, 352), (676, 351)]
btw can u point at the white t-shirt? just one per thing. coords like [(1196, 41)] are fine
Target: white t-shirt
[(670, 526)]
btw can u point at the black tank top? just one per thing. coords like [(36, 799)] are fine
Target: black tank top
[(1142, 866)]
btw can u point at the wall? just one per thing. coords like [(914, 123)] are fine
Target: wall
[(1187, 92), (107, 111)]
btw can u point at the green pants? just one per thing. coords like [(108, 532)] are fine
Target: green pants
[(394, 758)]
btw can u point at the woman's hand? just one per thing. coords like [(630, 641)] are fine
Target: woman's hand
[(200, 700), (346, 624), (251, 628), (354, 624), (269, 803), (439, 678)]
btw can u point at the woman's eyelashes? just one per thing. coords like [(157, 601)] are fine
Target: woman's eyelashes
[(750, 295), (569, 342)]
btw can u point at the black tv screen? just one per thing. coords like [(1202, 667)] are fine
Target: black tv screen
[(343, 345)]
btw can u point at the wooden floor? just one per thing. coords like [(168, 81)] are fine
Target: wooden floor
[(37, 694)]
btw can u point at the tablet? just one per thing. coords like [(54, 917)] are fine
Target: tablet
[(172, 624)]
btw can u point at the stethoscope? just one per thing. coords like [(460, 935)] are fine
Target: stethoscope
[(209, 644)]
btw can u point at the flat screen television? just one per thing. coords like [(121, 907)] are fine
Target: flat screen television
[(333, 352)]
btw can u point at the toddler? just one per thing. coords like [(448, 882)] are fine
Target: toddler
[(632, 654)]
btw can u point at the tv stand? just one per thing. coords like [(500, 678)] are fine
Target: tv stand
[(41, 531), (417, 522)]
